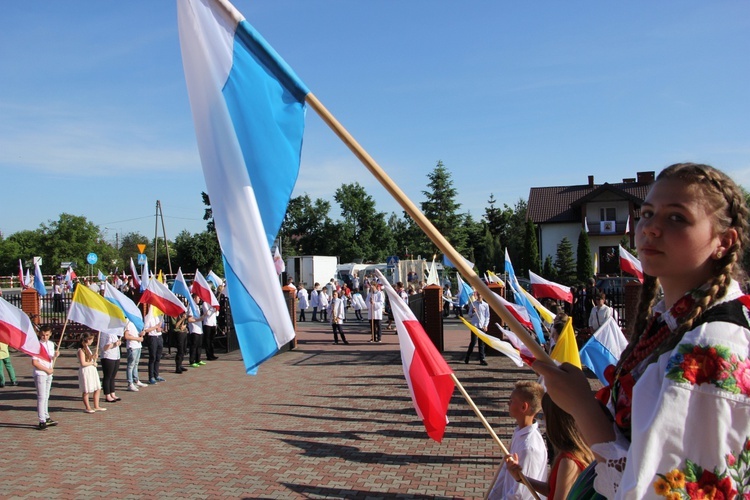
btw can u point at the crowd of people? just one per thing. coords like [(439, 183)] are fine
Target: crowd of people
[(674, 419), (191, 332), (330, 303)]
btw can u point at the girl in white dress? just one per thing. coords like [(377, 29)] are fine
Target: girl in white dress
[(88, 376)]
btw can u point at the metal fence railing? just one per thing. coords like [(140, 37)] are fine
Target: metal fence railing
[(53, 311)]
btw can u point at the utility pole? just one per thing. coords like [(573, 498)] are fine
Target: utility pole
[(160, 215)]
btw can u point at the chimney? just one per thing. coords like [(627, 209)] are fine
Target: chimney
[(628, 180), (591, 181), (646, 177)]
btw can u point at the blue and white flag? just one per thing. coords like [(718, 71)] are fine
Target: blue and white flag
[(101, 276), (521, 298), (465, 292), (214, 278), (39, 280), (131, 310), (180, 287), (248, 110), (603, 348), (447, 262)]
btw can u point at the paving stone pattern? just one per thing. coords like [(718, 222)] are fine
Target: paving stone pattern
[(321, 421)]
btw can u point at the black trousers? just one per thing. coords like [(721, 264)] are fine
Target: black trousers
[(109, 369), (336, 331), (155, 347), (474, 340), (376, 328), (209, 334), (180, 342), (195, 347)]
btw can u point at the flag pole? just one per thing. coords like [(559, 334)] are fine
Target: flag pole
[(59, 343), (489, 429), (72, 301), (429, 229)]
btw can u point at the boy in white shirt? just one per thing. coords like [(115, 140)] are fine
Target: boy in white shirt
[(43, 370), (527, 444)]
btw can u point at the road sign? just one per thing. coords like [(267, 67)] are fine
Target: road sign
[(141, 248), (92, 258), (142, 259)]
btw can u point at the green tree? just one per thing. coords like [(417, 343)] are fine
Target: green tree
[(198, 251), (208, 214), (129, 247), (22, 245), (363, 231), (584, 263), (530, 260), (489, 251), (72, 238), (548, 270), (307, 228), (441, 208), (565, 266)]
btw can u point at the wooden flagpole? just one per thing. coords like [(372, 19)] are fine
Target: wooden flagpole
[(424, 223), (489, 428)]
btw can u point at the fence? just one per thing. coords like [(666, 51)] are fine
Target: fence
[(53, 311)]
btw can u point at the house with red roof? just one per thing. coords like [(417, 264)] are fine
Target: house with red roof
[(608, 211)]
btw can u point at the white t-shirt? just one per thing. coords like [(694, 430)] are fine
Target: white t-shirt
[(528, 443), (210, 314), (132, 330), (50, 346), (111, 353)]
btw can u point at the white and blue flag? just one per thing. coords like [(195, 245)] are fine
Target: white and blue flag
[(248, 110)]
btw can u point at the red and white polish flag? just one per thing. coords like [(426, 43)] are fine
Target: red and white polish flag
[(543, 288), (519, 312), (157, 294), (630, 264), (17, 331), (201, 288), (427, 374)]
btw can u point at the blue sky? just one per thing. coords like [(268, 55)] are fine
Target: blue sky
[(95, 120)]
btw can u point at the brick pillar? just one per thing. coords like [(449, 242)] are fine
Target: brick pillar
[(290, 295), (433, 315), (495, 318), (632, 294), (30, 304)]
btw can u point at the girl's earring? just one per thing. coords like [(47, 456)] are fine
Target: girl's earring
[(719, 254)]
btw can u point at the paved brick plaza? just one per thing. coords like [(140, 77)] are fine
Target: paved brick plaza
[(322, 421)]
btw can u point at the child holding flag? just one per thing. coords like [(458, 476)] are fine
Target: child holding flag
[(88, 376), (43, 370), (680, 393), (527, 448)]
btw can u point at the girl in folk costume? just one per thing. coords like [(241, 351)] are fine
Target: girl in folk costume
[(88, 376), (679, 398)]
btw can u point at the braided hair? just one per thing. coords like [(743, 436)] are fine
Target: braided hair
[(726, 204)]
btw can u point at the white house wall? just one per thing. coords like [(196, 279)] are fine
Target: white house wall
[(552, 234), (606, 200)]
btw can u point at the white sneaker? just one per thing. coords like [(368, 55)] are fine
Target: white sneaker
[(132, 388), (141, 384)]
